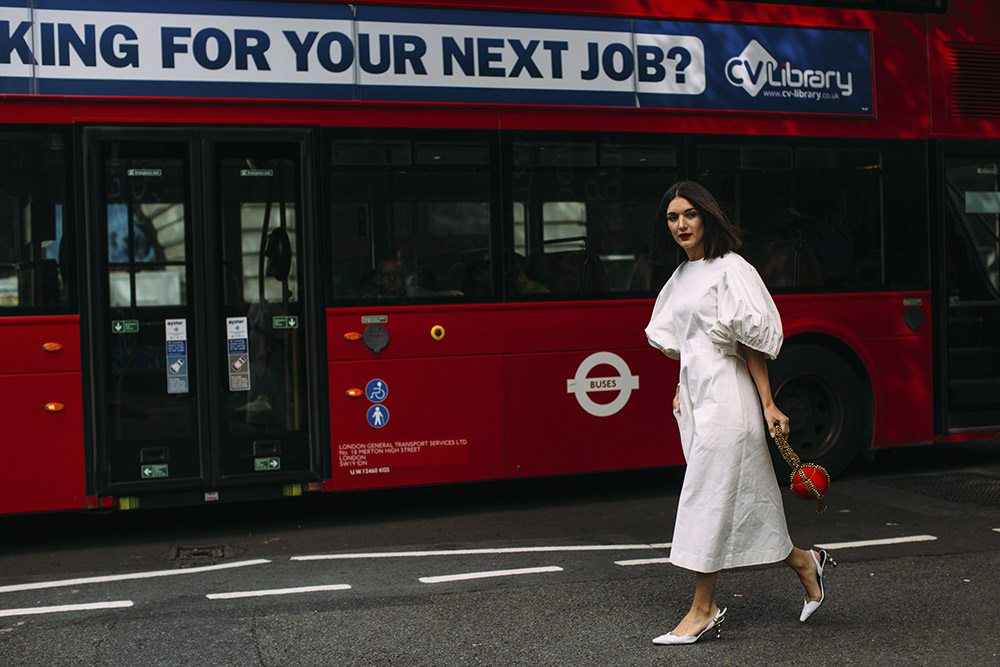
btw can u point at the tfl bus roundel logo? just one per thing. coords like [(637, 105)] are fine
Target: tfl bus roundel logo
[(581, 385)]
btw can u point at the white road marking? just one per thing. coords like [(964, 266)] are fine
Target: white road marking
[(827, 545), (486, 575), (276, 591), (996, 530), (477, 552), (877, 543), (643, 561), (126, 577), (117, 604)]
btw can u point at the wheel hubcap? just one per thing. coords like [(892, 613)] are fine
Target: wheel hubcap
[(815, 414)]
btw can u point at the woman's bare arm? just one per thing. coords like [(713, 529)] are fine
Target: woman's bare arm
[(758, 369)]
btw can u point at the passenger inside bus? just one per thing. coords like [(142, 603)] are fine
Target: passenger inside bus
[(526, 282), (818, 219), (563, 272), (471, 278), (390, 283)]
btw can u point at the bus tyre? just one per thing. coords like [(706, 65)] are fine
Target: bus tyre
[(826, 404)]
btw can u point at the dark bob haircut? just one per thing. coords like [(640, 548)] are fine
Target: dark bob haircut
[(721, 235)]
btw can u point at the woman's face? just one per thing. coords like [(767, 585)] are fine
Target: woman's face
[(687, 227)]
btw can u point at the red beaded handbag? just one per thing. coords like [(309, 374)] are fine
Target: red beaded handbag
[(809, 481)]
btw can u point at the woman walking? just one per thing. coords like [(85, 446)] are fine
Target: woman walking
[(716, 316)]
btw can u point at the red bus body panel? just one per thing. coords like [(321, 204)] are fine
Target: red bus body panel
[(493, 392), (966, 24), (443, 421), (42, 450), (897, 360)]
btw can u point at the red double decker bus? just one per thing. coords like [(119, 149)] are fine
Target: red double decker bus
[(253, 249)]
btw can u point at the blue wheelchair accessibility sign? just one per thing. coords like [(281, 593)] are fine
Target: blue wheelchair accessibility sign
[(376, 390)]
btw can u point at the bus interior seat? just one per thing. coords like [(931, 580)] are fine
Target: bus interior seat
[(785, 263), (471, 278), (568, 272), (646, 276), (456, 275)]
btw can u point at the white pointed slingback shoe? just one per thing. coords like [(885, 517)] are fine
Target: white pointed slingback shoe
[(716, 623), (809, 608)]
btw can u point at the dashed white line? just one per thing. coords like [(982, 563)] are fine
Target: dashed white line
[(643, 561), (478, 552), (877, 543), (126, 577), (276, 591), (487, 575), (117, 604)]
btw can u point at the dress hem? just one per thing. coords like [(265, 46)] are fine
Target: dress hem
[(749, 561)]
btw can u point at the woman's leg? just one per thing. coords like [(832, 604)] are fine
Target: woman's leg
[(703, 608), (804, 566)]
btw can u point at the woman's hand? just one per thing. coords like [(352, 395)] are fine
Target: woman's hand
[(677, 400), (775, 416), (758, 370)]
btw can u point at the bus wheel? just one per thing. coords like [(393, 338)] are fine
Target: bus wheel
[(826, 404)]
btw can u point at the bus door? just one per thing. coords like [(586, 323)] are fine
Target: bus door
[(200, 326), (971, 275)]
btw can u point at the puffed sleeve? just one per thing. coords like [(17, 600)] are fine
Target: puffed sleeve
[(661, 332), (747, 313)]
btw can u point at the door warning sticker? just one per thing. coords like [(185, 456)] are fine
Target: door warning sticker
[(239, 353), (177, 357)]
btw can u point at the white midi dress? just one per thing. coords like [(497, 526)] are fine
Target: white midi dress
[(730, 512)]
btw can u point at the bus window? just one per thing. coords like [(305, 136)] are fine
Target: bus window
[(410, 219), (285, 285), (582, 213), (33, 238), (970, 256), (811, 216), (145, 232), (972, 200)]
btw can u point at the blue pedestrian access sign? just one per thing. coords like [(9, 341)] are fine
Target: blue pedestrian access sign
[(378, 416)]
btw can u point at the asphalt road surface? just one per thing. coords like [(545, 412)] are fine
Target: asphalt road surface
[(568, 571)]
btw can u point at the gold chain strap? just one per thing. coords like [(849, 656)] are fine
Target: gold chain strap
[(793, 460)]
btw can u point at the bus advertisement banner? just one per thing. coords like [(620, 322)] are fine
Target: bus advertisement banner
[(269, 50)]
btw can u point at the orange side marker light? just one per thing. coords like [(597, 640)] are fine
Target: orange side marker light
[(54, 407), (52, 347)]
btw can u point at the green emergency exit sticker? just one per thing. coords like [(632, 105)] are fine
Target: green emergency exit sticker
[(125, 326), (147, 173), (267, 463), (152, 472), (285, 322), (256, 173), (374, 319)]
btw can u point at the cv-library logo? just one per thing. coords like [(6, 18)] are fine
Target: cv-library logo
[(755, 68)]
